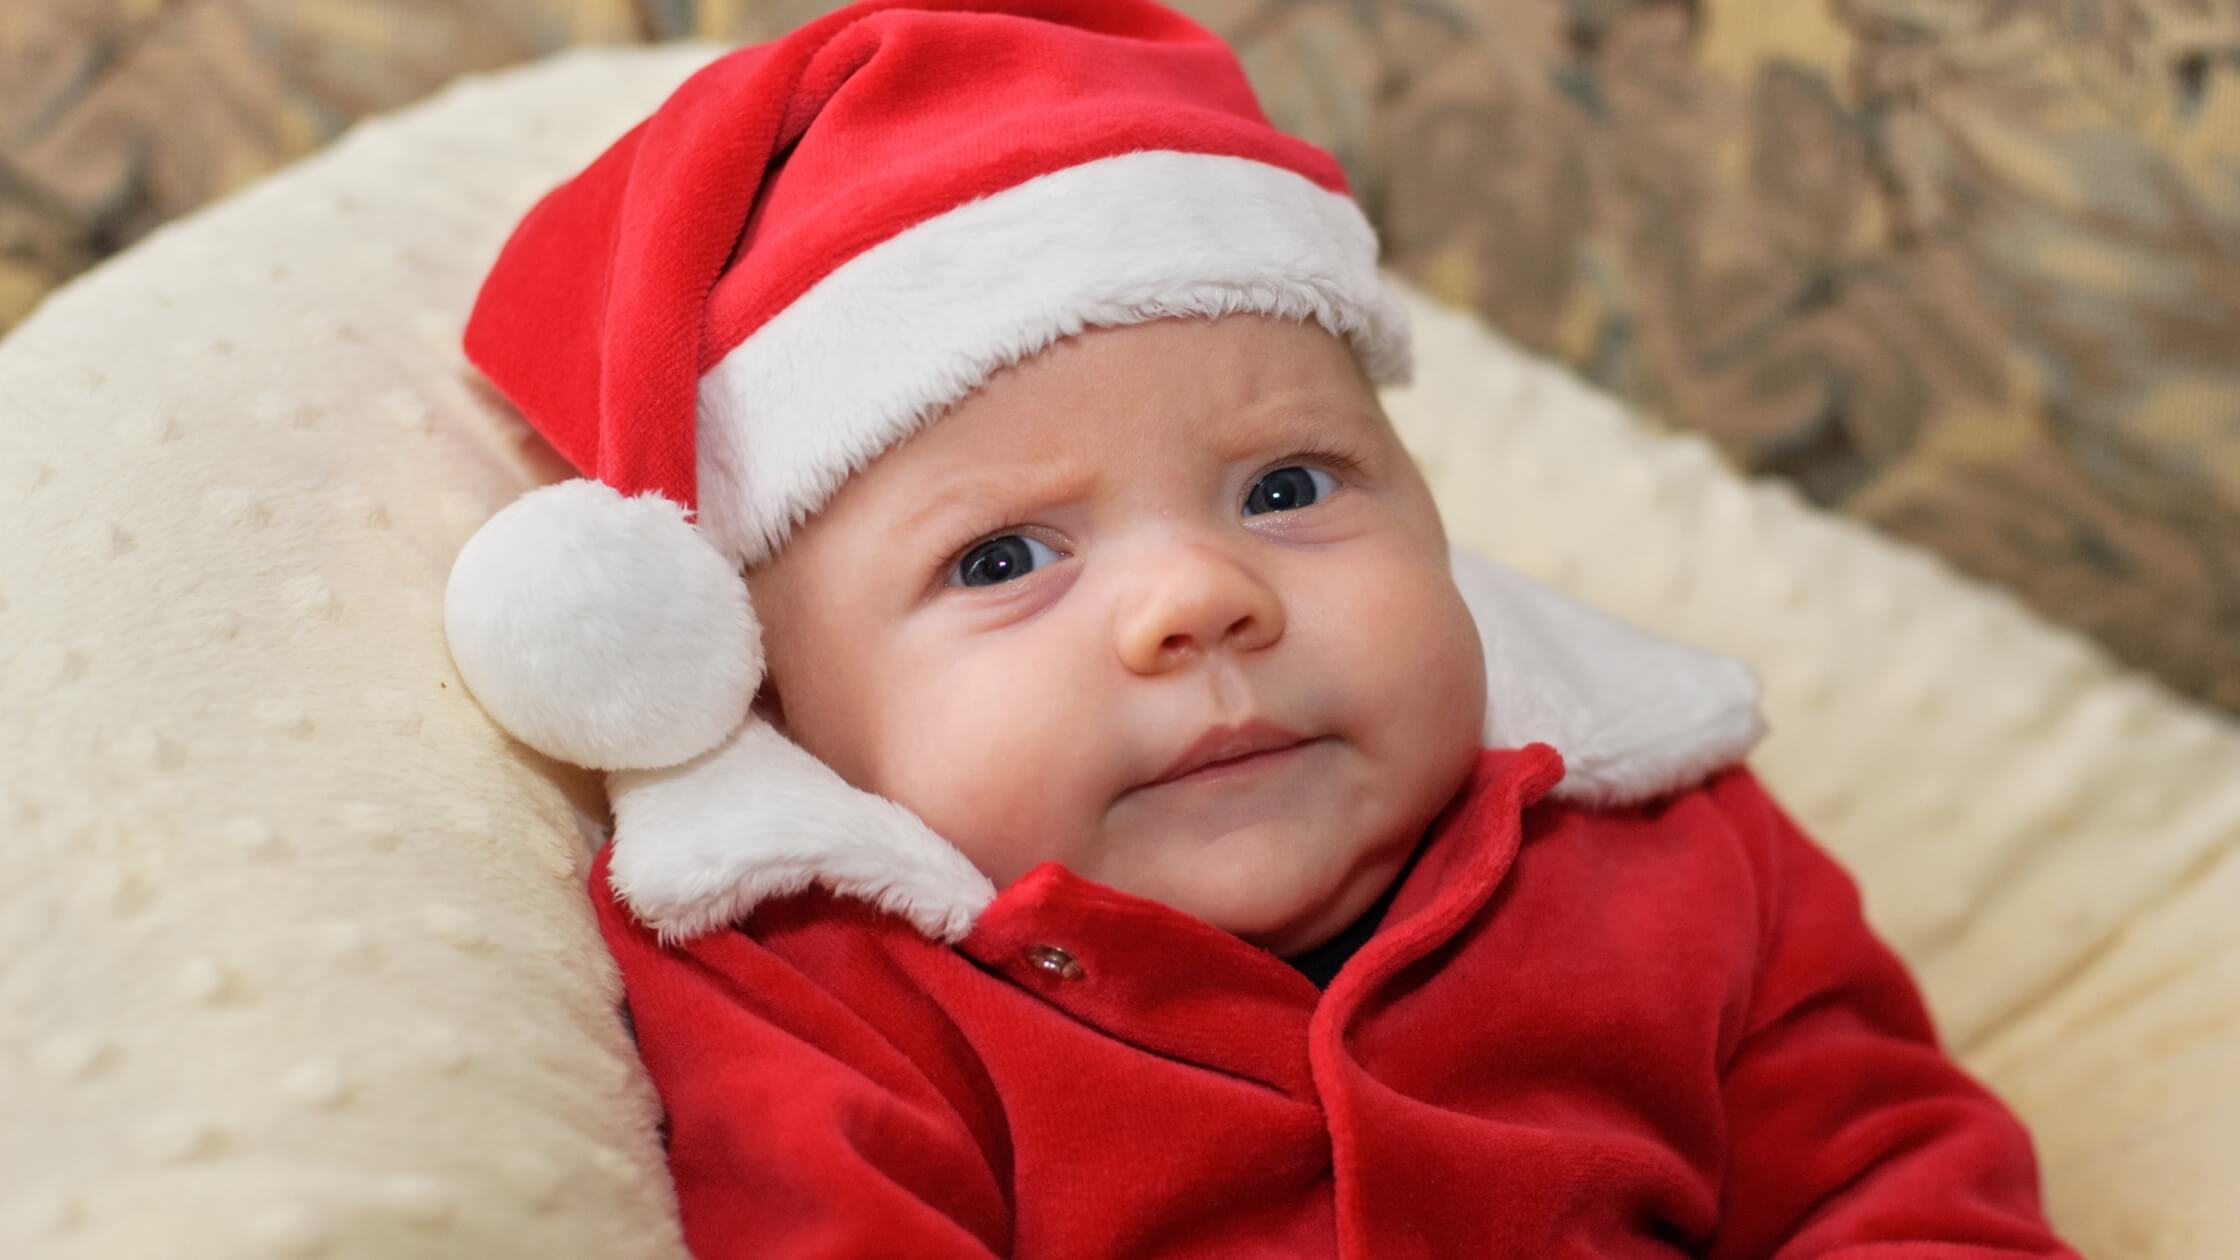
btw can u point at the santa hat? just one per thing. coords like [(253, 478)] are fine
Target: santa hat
[(810, 250)]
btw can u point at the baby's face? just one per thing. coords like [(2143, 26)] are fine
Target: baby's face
[(1017, 621)]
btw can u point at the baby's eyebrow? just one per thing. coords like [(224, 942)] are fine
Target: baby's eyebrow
[(1275, 419), (1296, 417), (1297, 412), (1033, 493)]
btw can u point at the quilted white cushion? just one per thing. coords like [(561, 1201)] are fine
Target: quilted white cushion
[(294, 959)]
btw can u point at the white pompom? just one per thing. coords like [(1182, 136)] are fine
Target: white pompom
[(603, 631)]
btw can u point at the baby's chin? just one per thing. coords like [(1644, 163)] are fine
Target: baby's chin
[(1268, 884)]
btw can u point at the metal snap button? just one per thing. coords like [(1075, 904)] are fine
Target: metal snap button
[(1055, 961)]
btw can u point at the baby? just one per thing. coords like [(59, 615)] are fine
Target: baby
[(1094, 825), (1198, 642)]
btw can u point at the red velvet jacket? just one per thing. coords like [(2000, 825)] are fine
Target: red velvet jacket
[(1654, 1031)]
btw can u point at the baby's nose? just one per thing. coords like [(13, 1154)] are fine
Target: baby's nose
[(1191, 601)]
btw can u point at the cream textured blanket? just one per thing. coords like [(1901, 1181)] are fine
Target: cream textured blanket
[(294, 959)]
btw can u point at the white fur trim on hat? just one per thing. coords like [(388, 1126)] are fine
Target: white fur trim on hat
[(918, 321), (601, 630)]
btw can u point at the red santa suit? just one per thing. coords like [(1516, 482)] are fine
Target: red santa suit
[(1659, 1030)]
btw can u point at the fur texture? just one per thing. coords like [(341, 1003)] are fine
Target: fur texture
[(915, 323), (697, 847), (1634, 716), (601, 630)]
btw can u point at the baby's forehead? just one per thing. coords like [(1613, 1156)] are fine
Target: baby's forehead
[(995, 461), (1219, 426), (1168, 399)]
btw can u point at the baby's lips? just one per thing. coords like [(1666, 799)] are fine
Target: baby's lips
[(1228, 743)]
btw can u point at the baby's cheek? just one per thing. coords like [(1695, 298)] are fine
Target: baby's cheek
[(1383, 594), (1419, 659), (977, 748)]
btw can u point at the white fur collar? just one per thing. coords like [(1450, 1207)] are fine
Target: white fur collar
[(698, 846)]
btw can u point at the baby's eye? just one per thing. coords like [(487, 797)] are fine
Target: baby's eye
[(1289, 488), (999, 560)]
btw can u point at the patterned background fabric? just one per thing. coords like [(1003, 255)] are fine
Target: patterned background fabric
[(1967, 270)]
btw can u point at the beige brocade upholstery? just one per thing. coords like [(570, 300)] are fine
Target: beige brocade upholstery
[(293, 955)]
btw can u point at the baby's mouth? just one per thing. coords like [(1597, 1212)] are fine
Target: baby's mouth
[(1235, 767), (1226, 752)]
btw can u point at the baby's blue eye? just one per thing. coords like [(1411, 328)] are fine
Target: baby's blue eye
[(1289, 488), (999, 560)]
